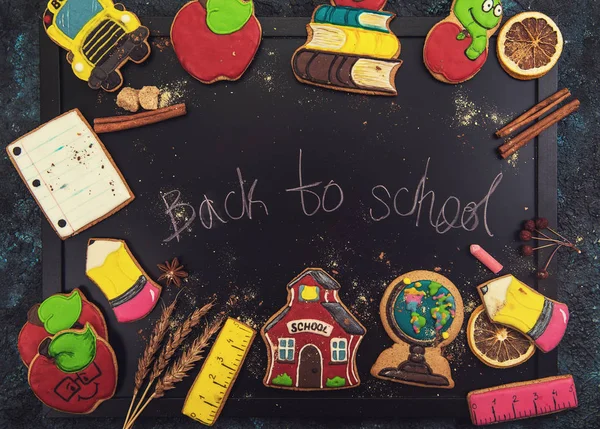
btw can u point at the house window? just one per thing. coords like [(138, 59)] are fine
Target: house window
[(286, 349), (309, 293), (339, 350)]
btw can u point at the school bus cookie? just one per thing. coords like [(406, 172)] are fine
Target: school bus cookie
[(457, 47), (422, 312), (100, 37), (313, 340)]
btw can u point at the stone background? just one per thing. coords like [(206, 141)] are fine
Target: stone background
[(578, 202)]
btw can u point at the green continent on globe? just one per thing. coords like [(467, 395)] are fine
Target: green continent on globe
[(424, 310)]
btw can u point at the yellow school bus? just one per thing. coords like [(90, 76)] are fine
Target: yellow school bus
[(100, 37)]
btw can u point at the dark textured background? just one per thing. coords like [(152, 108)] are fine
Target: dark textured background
[(578, 202)]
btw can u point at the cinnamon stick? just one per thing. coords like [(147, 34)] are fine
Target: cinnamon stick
[(125, 122), (535, 112), (513, 145)]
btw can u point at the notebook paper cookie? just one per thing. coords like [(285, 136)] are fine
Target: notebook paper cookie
[(69, 173)]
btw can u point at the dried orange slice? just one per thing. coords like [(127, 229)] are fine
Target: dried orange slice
[(496, 345), (529, 45)]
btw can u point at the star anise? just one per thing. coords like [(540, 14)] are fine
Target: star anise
[(172, 272)]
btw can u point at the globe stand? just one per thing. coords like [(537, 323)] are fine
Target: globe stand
[(415, 370)]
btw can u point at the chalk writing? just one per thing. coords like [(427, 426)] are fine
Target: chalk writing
[(182, 215), (320, 200), (466, 219)]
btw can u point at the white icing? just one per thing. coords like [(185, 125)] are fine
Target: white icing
[(495, 297), (98, 251), (125, 18), (78, 184), (78, 67)]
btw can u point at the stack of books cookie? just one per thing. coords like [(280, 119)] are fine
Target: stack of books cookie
[(349, 49)]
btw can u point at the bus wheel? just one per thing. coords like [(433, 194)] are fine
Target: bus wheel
[(139, 53), (112, 82)]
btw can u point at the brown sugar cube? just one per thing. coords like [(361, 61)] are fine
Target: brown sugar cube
[(128, 99), (148, 97)]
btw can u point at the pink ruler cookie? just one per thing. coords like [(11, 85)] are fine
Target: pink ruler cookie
[(522, 400)]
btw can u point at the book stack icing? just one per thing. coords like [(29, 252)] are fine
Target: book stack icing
[(350, 49)]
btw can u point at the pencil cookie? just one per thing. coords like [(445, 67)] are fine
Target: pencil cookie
[(351, 48), (511, 302), (457, 47), (422, 312), (216, 39), (313, 340), (100, 38), (74, 371), (111, 266), (57, 313)]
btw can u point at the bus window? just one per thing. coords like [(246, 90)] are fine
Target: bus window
[(75, 14)]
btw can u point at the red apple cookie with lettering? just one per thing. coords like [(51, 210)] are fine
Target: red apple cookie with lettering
[(57, 313), (313, 340), (216, 39), (74, 371), (456, 48)]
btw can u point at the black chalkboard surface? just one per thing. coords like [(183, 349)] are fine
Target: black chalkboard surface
[(261, 133)]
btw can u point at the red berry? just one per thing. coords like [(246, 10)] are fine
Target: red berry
[(529, 225), (526, 250), (541, 223), (525, 235), (542, 274)]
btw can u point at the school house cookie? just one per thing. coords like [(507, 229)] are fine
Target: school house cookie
[(313, 340)]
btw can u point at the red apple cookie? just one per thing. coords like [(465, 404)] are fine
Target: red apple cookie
[(74, 371), (216, 39), (58, 313), (457, 47)]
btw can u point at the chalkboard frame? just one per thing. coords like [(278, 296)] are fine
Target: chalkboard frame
[(53, 265)]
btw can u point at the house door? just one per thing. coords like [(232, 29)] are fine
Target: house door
[(309, 368)]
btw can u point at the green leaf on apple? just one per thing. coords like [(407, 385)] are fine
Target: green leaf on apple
[(228, 16), (72, 351), (60, 312)]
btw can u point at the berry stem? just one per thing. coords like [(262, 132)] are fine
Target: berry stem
[(544, 246), (540, 232), (552, 256), (556, 233), (550, 239)]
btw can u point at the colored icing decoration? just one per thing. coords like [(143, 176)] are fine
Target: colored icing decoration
[(457, 47), (60, 312), (216, 39), (228, 16), (516, 401), (92, 190), (485, 258), (111, 266), (209, 392), (350, 48), (423, 309), (73, 351), (312, 343), (34, 332), (81, 390), (100, 37), (512, 303)]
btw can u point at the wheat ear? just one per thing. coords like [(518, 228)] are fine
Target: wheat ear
[(182, 366)]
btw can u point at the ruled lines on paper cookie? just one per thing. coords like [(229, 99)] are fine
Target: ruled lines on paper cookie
[(69, 173)]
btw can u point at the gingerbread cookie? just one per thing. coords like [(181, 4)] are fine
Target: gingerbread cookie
[(457, 47), (129, 290), (74, 371), (313, 340), (57, 313), (351, 48), (216, 39), (422, 312), (512, 303), (100, 36), (521, 400)]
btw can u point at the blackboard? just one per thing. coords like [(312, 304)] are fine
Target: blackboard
[(259, 125)]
